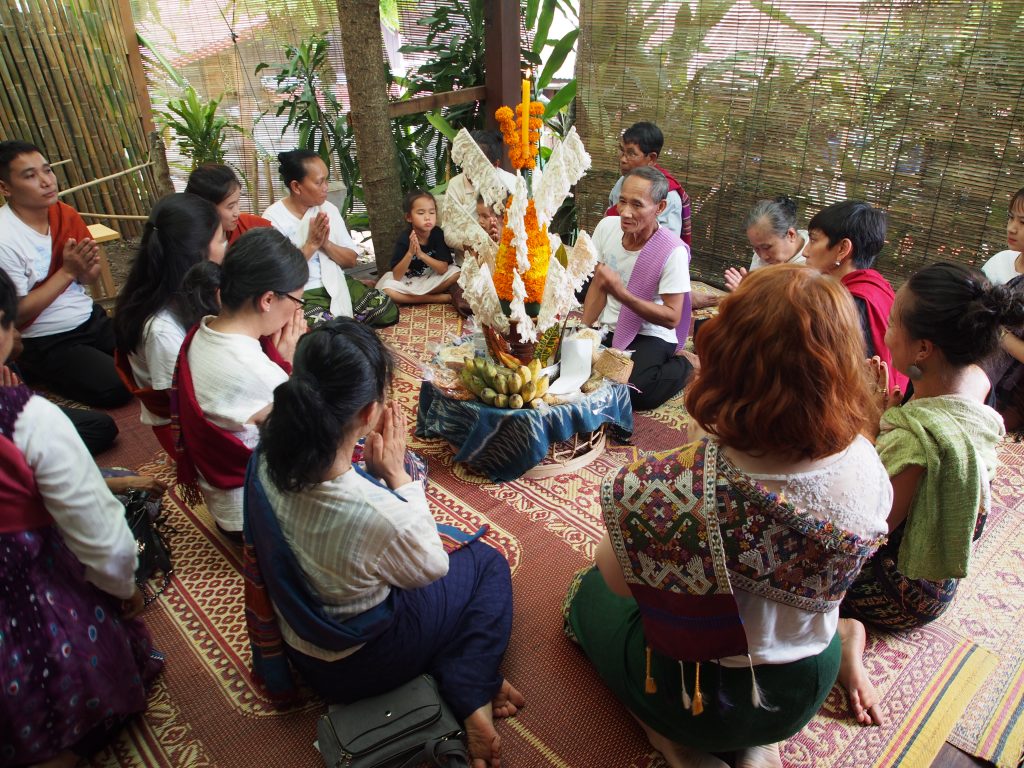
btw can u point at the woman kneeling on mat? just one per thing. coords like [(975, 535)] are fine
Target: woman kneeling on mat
[(716, 590), (365, 594)]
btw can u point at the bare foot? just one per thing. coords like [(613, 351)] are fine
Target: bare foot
[(764, 756), (507, 702), (691, 357), (483, 740), (676, 755), (864, 705)]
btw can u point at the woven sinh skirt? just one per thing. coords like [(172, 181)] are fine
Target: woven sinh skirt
[(885, 598), (609, 629)]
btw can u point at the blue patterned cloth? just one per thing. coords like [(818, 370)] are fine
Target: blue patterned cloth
[(504, 444)]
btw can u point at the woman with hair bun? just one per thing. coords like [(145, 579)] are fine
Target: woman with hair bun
[(315, 226), (939, 449), (772, 232), (366, 548), (219, 184), (152, 314), (229, 366), (716, 590)]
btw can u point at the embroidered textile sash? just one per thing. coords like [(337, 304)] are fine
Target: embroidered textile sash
[(643, 282), (688, 528)]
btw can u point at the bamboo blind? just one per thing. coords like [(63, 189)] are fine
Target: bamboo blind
[(913, 106), (216, 46), (66, 87)]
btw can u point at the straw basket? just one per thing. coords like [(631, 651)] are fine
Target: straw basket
[(614, 365)]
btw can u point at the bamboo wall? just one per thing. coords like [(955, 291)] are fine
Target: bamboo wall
[(65, 85), (916, 107)]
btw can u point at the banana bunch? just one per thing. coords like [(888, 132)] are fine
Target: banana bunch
[(505, 386)]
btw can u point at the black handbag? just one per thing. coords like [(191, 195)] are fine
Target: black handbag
[(146, 523), (403, 728)]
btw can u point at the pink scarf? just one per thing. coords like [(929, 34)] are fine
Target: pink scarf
[(650, 263)]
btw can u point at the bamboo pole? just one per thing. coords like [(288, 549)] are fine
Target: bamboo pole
[(94, 182), (116, 216), (270, 182)]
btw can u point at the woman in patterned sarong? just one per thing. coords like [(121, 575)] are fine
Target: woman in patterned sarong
[(713, 606), (939, 449), (74, 662)]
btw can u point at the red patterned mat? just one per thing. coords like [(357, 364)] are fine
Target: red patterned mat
[(205, 710)]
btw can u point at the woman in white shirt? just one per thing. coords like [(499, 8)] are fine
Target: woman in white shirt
[(367, 546), (316, 227), (152, 315), (772, 232), (1008, 264), (230, 364), (75, 661)]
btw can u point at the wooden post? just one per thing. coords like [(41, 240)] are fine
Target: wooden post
[(501, 41), (131, 52), (161, 171), (375, 146)]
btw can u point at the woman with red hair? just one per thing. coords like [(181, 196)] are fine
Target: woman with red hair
[(717, 587)]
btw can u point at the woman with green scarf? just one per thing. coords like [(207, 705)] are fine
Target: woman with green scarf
[(939, 449)]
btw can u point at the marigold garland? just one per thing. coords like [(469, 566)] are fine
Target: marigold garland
[(511, 124), (539, 253)]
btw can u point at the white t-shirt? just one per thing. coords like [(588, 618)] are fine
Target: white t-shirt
[(354, 540), (1000, 268), (154, 359), (233, 380), (91, 521), (675, 277), (798, 258), (25, 257), (851, 489), (297, 230)]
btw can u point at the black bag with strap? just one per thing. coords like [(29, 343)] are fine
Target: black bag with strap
[(403, 728)]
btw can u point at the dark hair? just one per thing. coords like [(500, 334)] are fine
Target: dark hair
[(293, 165), (957, 309), (261, 260), (340, 367), (199, 292), (490, 144), (8, 302), (659, 184), (780, 213), (213, 182), (10, 150), (413, 196), (647, 136), (860, 223), (176, 236), (1017, 199)]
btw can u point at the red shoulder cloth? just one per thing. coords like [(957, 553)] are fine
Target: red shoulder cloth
[(65, 224), (869, 286), (247, 221), (157, 401), (203, 447), (21, 504)]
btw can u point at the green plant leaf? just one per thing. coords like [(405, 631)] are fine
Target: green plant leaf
[(164, 63), (531, 13), (561, 99), (557, 57), (547, 15), (437, 120)]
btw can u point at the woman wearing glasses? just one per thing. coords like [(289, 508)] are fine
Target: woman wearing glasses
[(229, 366)]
